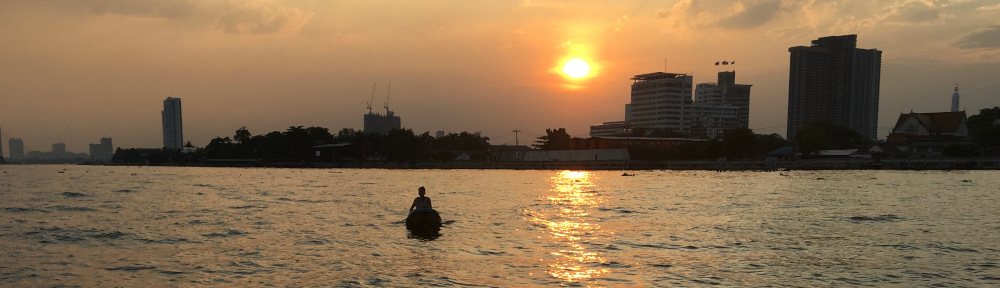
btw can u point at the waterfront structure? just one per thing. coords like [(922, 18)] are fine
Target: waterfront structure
[(173, 126), (102, 152), (836, 82), (16, 146), (954, 100), (926, 134), (659, 101)]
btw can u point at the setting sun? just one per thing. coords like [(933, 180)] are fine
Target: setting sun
[(576, 68)]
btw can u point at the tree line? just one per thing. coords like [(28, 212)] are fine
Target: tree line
[(298, 144)]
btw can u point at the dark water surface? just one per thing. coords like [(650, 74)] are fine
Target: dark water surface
[(189, 227)]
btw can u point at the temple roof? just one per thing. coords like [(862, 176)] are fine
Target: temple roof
[(939, 122)]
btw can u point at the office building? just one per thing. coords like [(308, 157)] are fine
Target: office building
[(659, 101), (102, 152), (16, 146), (836, 82), (173, 128), (726, 92)]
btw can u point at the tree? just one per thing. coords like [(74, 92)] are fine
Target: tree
[(554, 139), (242, 135), (985, 129), (821, 135)]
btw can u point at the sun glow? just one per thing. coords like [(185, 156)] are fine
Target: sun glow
[(576, 68)]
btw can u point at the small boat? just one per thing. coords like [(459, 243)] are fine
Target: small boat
[(423, 220)]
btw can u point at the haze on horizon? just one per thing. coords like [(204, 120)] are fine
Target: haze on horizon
[(76, 71)]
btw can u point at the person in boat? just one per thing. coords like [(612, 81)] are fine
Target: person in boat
[(421, 202)]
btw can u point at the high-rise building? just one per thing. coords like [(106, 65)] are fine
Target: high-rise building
[(173, 128), (16, 146), (659, 101), (102, 152), (836, 82)]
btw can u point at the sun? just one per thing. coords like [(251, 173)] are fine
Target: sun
[(576, 68)]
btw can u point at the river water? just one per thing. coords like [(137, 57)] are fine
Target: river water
[(94, 226)]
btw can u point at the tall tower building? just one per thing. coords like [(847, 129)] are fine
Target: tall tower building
[(659, 101), (2, 160), (836, 82), (16, 146), (173, 132), (954, 100)]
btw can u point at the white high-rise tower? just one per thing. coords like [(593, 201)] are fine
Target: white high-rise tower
[(173, 132), (954, 100)]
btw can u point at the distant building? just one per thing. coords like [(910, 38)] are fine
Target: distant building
[(726, 92), (926, 134), (615, 128), (16, 148), (954, 100), (382, 124), (659, 101), (618, 142), (173, 128), (102, 152), (836, 82), (59, 148), (662, 101)]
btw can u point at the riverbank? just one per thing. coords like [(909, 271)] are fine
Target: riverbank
[(731, 165), (738, 165)]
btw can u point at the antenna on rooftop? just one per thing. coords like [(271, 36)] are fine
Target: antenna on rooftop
[(372, 98), (387, 98)]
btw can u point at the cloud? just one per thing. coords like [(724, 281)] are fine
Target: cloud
[(261, 17), (752, 15), (168, 9), (230, 16), (915, 13), (989, 8), (988, 38), (621, 23)]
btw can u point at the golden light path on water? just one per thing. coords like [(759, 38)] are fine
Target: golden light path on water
[(573, 193)]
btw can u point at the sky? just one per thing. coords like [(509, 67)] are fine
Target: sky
[(76, 71)]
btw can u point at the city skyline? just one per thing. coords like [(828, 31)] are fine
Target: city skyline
[(82, 70)]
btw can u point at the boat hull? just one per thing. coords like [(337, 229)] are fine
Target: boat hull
[(423, 220)]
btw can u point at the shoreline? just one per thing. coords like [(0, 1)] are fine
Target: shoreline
[(717, 165)]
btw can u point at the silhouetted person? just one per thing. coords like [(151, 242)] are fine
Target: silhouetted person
[(421, 202)]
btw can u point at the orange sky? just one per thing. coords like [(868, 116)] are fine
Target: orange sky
[(76, 71)]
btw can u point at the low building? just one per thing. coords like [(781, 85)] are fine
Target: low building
[(618, 142), (614, 128), (926, 134)]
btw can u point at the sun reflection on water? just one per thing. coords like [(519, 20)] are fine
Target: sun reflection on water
[(571, 226)]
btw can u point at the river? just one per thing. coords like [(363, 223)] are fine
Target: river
[(97, 226)]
